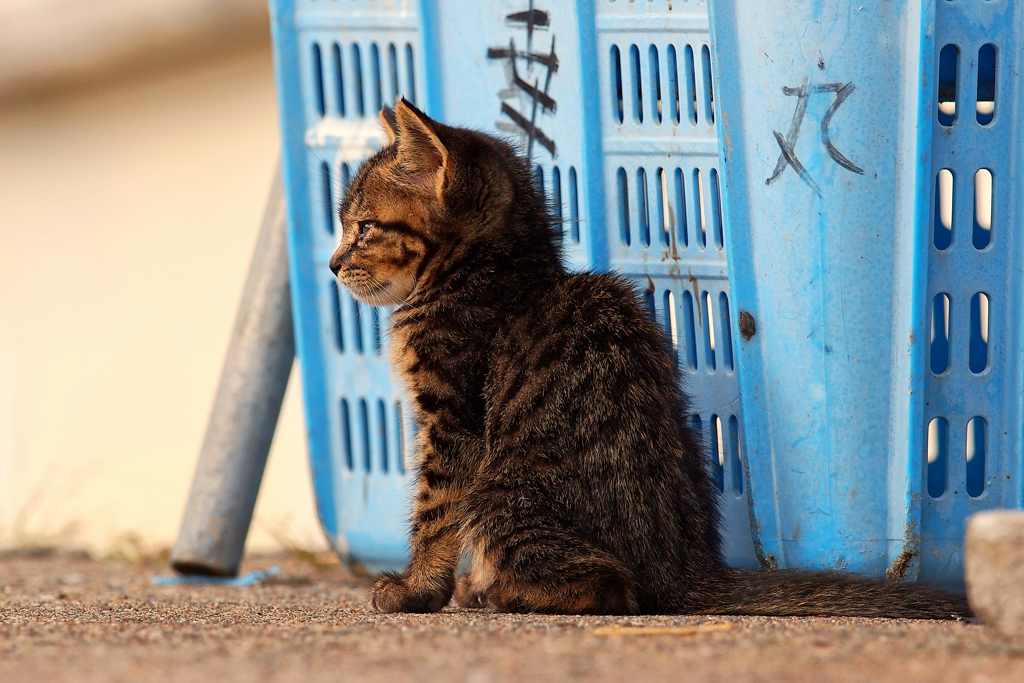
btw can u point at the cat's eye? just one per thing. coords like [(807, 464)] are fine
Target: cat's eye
[(365, 226)]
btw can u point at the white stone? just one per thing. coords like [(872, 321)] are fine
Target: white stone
[(994, 569)]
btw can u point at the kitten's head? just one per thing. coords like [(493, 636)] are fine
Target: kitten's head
[(417, 204)]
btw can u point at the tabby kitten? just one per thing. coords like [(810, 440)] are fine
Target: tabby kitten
[(554, 445)]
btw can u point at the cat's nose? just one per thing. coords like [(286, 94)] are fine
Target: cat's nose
[(339, 259)]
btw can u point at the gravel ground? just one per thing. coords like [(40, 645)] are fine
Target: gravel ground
[(67, 618)]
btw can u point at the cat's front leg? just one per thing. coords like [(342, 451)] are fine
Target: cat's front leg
[(429, 581)]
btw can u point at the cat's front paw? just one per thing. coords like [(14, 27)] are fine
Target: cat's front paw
[(391, 594), (468, 595)]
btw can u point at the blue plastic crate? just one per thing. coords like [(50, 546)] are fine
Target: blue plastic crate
[(882, 390), (614, 103)]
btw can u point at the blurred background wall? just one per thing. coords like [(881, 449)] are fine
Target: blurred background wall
[(137, 144)]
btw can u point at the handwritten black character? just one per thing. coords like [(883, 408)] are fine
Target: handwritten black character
[(786, 144), (523, 94)]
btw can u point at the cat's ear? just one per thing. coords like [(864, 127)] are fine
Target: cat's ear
[(390, 124), (422, 156)]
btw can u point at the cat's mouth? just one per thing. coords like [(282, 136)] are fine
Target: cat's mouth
[(369, 290)]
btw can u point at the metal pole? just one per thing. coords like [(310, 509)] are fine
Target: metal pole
[(245, 410)]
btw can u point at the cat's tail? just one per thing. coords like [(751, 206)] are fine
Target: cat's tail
[(804, 593)]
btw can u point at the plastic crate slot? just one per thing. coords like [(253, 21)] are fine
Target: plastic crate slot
[(538, 178), (943, 223), (709, 331), (399, 438), (328, 197), (318, 80), (649, 303), (939, 337), (655, 78), (691, 85), (671, 328), (698, 191), (643, 214), (378, 344), (682, 233), (378, 87), (410, 73), (661, 182), (339, 79), (725, 329), (357, 326), (717, 454), (623, 195), (346, 178), (382, 433), (616, 69), (979, 333), (556, 198), (982, 208), (364, 433), (938, 436), (673, 83), (689, 321), (346, 435), (396, 89), (637, 89), (986, 105), (949, 65), (357, 79), (735, 466), (709, 91), (976, 429), (716, 209), (339, 337), (574, 206)]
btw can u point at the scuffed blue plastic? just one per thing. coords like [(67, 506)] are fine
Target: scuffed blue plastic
[(244, 581)]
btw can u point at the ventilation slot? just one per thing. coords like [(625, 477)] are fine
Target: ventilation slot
[(556, 198), (357, 326), (982, 208), (642, 213), (357, 79), (346, 435), (410, 74), (574, 206), (986, 106), (318, 80), (364, 432), (345, 178), (938, 435), (698, 191), (671, 328), (616, 68), (725, 329), (691, 85), (664, 208), (939, 338), (396, 89), (538, 178), (735, 465), (623, 191), (681, 223), (717, 454), (649, 302), (637, 89), (709, 330), (399, 438), (375, 329), (655, 78), (949, 65), (716, 209), (328, 198), (382, 422), (979, 333), (943, 224), (339, 80), (976, 457), (378, 95), (709, 93), (339, 332), (673, 83), (690, 330)]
